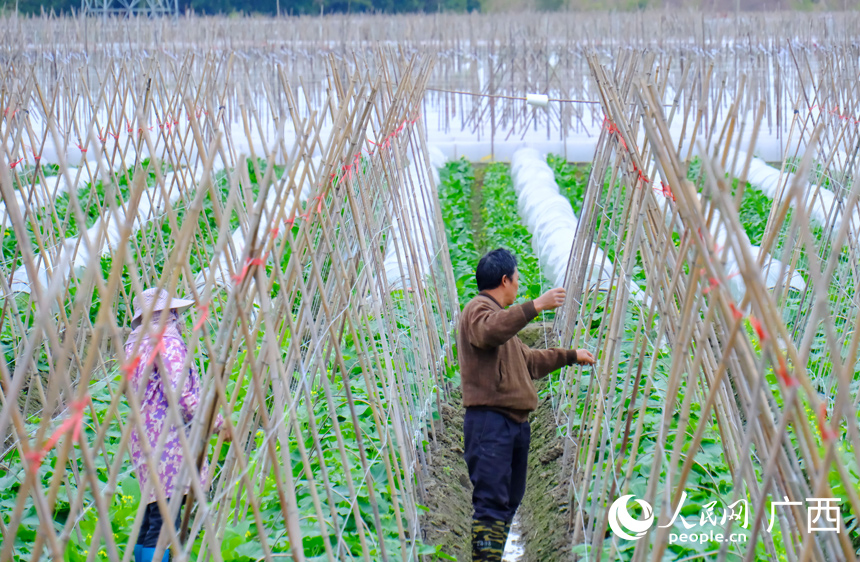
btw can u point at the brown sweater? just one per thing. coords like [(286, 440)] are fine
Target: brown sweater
[(497, 368)]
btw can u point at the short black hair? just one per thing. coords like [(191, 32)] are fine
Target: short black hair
[(493, 266)]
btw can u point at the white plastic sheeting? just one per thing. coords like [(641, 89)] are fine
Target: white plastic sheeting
[(267, 130), (549, 217), (40, 194), (821, 203), (72, 255), (98, 166), (121, 145), (221, 270), (417, 209), (475, 144), (118, 151), (774, 272), (107, 153), (412, 243), (547, 214)]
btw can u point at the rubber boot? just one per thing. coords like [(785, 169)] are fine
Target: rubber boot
[(138, 553), (488, 540), (147, 554)]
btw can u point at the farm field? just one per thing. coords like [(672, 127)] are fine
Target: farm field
[(321, 189), (712, 477)]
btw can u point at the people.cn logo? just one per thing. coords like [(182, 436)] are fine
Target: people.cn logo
[(624, 525)]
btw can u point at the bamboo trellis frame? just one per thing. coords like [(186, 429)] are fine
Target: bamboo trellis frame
[(486, 63), (738, 365), (269, 336), (312, 77)]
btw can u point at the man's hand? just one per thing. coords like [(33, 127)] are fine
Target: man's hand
[(550, 300), (584, 357)]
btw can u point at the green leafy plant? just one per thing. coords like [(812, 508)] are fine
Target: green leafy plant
[(503, 228), (455, 192)]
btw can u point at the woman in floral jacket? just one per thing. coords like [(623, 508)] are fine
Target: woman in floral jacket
[(166, 354)]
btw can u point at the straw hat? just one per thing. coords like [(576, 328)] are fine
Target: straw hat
[(162, 301)]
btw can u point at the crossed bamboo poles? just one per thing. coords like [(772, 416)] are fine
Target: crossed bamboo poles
[(702, 324), (325, 256), (198, 84)]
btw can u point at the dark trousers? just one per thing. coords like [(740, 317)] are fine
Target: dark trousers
[(151, 526), (497, 454)]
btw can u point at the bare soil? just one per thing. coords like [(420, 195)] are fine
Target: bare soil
[(448, 521), (537, 335), (544, 511)]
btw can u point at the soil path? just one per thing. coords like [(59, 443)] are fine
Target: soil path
[(541, 521), (448, 521), (544, 511)]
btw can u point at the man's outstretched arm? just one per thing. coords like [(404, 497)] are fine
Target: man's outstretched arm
[(542, 362), (489, 327)]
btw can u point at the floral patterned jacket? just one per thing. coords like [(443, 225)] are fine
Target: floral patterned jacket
[(156, 420)]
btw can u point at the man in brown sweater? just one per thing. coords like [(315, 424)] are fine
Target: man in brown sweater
[(497, 371)]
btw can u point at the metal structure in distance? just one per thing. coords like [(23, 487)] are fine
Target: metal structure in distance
[(130, 8)]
